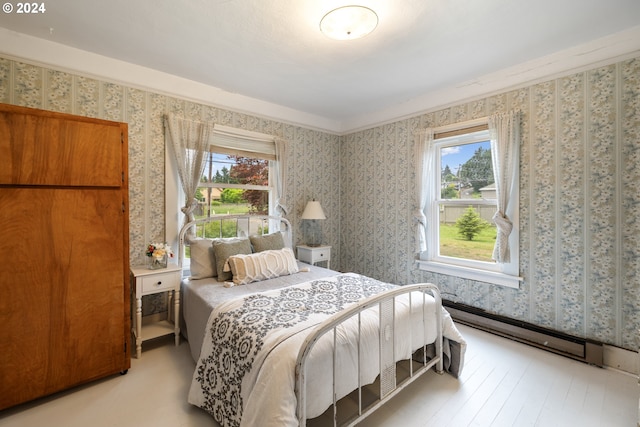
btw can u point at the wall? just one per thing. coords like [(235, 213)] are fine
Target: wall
[(580, 175), (579, 204), (313, 155)]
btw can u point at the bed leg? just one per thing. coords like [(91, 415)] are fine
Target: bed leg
[(440, 366)]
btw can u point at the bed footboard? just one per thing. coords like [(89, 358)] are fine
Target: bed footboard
[(387, 384)]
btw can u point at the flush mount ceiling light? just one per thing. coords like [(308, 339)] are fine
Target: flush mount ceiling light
[(349, 22)]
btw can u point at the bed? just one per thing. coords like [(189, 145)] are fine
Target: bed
[(278, 342)]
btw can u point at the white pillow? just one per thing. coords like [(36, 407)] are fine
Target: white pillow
[(203, 263), (262, 265)]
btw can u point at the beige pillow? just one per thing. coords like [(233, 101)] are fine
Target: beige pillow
[(223, 249), (203, 263), (267, 242), (262, 265)]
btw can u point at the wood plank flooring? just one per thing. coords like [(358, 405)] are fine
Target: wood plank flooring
[(504, 383)]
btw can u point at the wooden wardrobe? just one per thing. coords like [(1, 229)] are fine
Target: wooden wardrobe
[(64, 252)]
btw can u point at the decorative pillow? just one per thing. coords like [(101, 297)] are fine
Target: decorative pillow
[(203, 262), (223, 249), (262, 265), (267, 242)]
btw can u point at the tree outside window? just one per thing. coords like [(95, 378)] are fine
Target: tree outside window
[(467, 202), (234, 184)]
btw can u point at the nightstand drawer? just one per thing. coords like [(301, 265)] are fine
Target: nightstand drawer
[(321, 254), (160, 282), (314, 254)]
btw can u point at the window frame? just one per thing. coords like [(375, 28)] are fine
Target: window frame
[(270, 187), (503, 274)]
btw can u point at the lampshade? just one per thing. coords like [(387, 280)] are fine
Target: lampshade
[(349, 22), (313, 210)]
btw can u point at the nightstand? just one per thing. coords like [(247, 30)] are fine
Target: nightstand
[(314, 254), (149, 282)]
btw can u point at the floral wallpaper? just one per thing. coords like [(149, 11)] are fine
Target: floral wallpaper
[(579, 188), (579, 204), (313, 164)]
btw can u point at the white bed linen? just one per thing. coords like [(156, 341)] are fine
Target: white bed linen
[(268, 394)]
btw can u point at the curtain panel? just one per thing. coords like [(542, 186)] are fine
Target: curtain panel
[(189, 141), (504, 129), (424, 158), (280, 170)]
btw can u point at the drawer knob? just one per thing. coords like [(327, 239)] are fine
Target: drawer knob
[(159, 283)]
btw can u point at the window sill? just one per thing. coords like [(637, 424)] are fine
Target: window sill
[(493, 277)]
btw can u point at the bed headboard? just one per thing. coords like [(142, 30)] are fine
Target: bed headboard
[(235, 226)]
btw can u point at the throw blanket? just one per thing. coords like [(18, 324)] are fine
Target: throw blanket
[(244, 333)]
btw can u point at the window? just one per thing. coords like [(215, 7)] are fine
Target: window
[(233, 184), (460, 203), (236, 174), (224, 170), (466, 201)]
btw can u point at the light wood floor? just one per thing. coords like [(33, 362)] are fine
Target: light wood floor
[(503, 384)]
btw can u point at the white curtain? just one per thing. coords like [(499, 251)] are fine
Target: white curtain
[(190, 141), (504, 129), (424, 158), (280, 168)]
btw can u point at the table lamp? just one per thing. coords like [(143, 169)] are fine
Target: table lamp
[(313, 212)]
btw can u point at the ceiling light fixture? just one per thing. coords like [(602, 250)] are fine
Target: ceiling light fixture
[(349, 22)]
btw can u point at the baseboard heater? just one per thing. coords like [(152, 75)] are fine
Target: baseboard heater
[(585, 350)]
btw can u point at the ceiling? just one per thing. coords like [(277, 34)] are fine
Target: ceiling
[(273, 51)]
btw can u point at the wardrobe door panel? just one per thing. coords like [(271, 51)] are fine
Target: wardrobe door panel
[(62, 301), (52, 149)]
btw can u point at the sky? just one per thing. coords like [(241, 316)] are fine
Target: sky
[(458, 154), (219, 161)]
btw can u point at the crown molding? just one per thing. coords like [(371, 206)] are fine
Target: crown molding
[(607, 50)]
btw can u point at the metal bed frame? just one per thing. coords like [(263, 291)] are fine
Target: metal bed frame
[(263, 224), (385, 302), (388, 384)]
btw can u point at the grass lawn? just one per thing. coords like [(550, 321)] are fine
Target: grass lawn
[(454, 245)]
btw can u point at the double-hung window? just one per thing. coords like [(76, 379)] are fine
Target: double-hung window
[(225, 171), (466, 202), (234, 184), (237, 175), (460, 201)]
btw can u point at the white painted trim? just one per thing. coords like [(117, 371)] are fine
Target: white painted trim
[(620, 359), (461, 125), (604, 51), (486, 276)]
